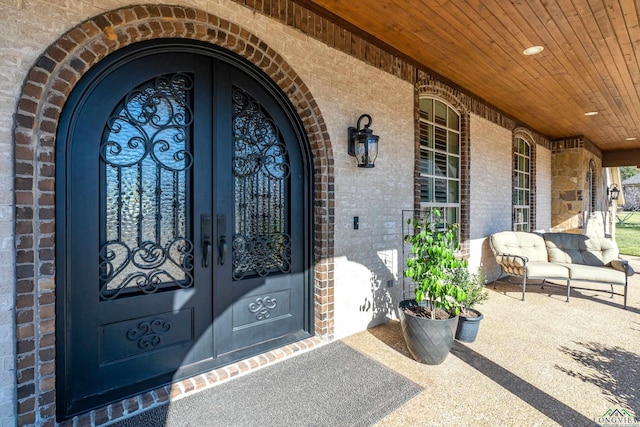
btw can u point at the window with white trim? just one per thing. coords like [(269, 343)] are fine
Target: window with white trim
[(521, 185), (440, 159), (593, 187)]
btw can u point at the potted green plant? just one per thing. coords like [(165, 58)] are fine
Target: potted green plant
[(429, 321), (476, 293)]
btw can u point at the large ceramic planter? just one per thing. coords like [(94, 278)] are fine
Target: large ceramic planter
[(429, 341), (468, 327)]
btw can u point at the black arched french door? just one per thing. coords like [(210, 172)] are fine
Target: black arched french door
[(183, 240)]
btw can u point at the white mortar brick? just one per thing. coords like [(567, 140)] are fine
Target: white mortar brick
[(342, 87), (543, 189), (340, 84), (490, 194), (6, 411)]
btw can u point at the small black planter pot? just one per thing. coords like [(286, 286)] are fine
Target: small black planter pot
[(467, 329), (429, 341)]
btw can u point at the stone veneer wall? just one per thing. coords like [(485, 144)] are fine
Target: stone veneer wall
[(570, 184), (326, 71)]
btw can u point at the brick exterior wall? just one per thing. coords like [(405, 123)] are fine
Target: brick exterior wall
[(366, 260), (426, 85), (543, 188), (490, 200), (326, 71), (45, 91)]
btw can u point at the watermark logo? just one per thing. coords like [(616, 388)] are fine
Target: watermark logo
[(617, 417)]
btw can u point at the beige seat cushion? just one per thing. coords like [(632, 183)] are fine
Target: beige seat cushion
[(547, 270), (530, 245), (591, 273)]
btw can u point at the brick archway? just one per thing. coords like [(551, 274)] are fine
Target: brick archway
[(527, 135), (45, 91), (429, 87)]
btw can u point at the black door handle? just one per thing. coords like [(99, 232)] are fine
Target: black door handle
[(205, 238), (222, 239), (207, 254), (222, 247)]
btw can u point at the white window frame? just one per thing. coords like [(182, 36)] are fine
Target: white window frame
[(521, 211), (440, 160), (593, 188)]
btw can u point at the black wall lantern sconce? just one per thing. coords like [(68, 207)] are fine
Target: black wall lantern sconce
[(613, 192), (363, 144)]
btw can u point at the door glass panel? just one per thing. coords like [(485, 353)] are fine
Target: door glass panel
[(261, 240), (145, 163)]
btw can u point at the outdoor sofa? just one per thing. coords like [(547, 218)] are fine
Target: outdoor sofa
[(560, 256)]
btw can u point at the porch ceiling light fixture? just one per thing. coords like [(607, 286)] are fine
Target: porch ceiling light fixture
[(613, 192), (533, 50), (363, 144)]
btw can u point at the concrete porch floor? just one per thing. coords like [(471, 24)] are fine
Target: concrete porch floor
[(538, 362)]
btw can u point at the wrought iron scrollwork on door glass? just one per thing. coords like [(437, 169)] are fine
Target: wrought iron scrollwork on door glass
[(145, 163), (261, 241)]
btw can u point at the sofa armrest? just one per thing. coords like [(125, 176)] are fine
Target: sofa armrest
[(511, 261), (622, 265)]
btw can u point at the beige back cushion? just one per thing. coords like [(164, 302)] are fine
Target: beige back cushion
[(580, 249), (520, 243)]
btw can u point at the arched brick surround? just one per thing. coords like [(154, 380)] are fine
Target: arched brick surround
[(527, 135), (433, 88), (45, 91), (437, 90)]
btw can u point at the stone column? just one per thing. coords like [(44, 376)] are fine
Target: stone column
[(571, 210)]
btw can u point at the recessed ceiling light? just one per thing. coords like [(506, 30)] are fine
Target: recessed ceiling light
[(631, 138), (533, 50), (590, 113)]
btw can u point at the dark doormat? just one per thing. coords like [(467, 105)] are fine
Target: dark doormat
[(333, 385)]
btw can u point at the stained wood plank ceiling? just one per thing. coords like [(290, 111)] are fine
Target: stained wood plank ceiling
[(589, 62)]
